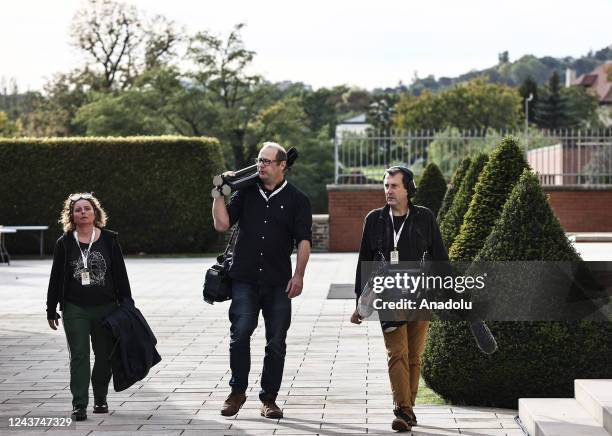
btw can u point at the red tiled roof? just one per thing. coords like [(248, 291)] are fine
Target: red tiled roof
[(599, 82)]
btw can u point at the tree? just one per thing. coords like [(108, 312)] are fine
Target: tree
[(550, 113), (54, 113), (451, 223), (120, 43), (8, 128), (529, 88), (527, 230), (125, 114), (221, 69), (580, 108), (432, 188), (475, 104), (497, 179), (453, 187)]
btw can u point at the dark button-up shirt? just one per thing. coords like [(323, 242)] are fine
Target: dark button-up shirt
[(271, 224)]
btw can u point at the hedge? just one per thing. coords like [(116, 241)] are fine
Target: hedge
[(154, 189), (431, 189), (452, 221), (453, 187), (534, 359), (497, 179)]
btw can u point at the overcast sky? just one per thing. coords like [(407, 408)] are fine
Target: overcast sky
[(373, 43)]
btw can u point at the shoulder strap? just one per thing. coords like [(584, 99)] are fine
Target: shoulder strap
[(380, 236), (230, 244)]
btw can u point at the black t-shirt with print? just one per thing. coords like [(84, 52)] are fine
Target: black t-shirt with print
[(100, 289)]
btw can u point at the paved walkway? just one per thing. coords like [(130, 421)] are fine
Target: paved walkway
[(335, 379)]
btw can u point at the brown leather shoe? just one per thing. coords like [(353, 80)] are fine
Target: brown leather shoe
[(269, 409), (233, 403)]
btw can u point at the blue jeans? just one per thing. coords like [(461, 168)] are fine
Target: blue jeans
[(247, 300)]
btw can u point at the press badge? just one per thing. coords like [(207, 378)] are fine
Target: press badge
[(85, 278), (394, 257)]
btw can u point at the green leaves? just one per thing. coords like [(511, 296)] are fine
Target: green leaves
[(431, 189), (497, 179)]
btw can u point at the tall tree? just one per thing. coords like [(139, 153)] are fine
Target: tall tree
[(120, 42), (221, 69), (550, 113)]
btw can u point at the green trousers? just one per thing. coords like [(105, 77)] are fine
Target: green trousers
[(81, 323)]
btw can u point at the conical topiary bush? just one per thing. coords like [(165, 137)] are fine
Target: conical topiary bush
[(534, 359), (431, 189), (497, 179), (451, 223), (453, 187)]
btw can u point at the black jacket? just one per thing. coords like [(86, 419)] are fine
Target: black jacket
[(423, 235), (60, 272), (134, 352)]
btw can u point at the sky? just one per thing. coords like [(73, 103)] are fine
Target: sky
[(367, 44)]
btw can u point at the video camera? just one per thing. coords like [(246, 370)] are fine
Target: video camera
[(246, 176)]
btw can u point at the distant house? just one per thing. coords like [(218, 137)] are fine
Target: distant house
[(355, 126), (598, 83)]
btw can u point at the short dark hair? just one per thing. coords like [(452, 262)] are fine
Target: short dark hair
[(281, 155), (394, 170)]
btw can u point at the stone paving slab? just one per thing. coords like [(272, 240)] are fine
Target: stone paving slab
[(335, 380)]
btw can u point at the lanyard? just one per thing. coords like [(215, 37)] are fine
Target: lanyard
[(396, 235), (263, 194), (83, 255)]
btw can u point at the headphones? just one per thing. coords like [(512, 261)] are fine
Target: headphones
[(408, 178)]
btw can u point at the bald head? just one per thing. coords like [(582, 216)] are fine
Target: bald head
[(272, 163), (281, 153)]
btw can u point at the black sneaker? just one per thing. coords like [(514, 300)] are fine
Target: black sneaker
[(100, 406), (402, 421), (79, 414)]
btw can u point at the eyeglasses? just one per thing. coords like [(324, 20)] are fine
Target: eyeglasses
[(264, 162), (76, 197)]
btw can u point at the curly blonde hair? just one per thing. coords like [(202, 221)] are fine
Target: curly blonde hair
[(67, 218)]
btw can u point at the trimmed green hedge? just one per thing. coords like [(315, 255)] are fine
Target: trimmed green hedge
[(534, 359), (156, 190), (452, 221), (453, 187), (497, 179), (432, 188)]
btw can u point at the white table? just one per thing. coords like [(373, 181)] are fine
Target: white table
[(40, 229), (4, 256)]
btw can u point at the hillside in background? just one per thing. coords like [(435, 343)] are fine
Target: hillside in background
[(513, 73)]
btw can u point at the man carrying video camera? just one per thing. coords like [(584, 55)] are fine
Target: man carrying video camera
[(272, 216)]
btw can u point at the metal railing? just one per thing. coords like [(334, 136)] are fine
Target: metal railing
[(560, 157)]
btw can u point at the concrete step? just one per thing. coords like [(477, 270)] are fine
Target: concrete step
[(557, 417), (596, 398)]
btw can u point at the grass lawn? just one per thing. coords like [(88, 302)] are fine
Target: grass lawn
[(426, 396)]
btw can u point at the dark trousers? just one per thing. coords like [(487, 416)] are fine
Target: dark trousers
[(81, 323), (247, 300)]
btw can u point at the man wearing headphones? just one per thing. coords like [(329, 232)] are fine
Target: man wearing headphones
[(402, 232)]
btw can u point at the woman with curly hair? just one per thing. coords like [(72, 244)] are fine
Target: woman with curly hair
[(88, 280)]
